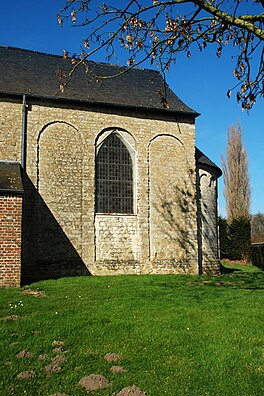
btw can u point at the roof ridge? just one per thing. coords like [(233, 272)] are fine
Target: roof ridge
[(28, 50), (88, 60)]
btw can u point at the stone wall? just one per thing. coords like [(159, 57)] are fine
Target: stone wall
[(10, 240), (172, 205), (208, 222), (62, 234)]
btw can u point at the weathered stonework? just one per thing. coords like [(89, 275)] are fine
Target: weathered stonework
[(59, 207), (117, 237), (208, 222)]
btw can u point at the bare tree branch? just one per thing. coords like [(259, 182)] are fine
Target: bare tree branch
[(158, 30)]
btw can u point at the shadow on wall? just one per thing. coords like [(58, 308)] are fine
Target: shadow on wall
[(177, 211), (207, 222), (47, 252), (177, 222)]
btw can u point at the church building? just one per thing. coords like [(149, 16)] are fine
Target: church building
[(102, 178)]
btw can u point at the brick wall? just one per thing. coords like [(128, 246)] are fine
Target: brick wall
[(10, 240)]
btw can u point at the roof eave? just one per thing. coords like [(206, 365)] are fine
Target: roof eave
[(215, 169), (190, 113), (10, 191)]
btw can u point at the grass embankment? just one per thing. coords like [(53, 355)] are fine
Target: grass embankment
[(178, 335)]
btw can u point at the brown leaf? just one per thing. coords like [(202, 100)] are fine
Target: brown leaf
[(218, 52), (129, 38), (62, 87), (86, 43), (252, 98), (73, 16), (130, 62), (60, 20)]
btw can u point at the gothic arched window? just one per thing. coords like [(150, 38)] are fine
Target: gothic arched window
[(113, 177)]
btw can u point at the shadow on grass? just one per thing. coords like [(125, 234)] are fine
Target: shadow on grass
[(225, 270), (252, 281), (233, 278), (246, 278), (239, 279)]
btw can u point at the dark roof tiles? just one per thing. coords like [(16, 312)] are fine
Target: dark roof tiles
[(24, 72), (203, 160), (10, 177)]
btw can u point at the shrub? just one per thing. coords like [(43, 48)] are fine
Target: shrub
[(257, 255), (235, 239), (239, 236)]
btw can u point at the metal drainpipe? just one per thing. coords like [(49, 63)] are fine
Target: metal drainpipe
[(24, 134)]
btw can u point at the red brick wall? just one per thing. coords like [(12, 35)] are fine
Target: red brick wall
[(10, 240)]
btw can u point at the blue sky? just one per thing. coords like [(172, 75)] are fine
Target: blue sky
[(200, 81)]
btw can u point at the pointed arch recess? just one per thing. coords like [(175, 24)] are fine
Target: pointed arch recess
[(115, 173)]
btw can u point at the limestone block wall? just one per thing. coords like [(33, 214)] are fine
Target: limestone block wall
[(172, 205), (60, 181), (62, 233), (118, 246), (10, 240), (10, 131), (208, 222)]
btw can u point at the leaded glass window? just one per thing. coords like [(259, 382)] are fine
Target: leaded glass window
[(114, 177)]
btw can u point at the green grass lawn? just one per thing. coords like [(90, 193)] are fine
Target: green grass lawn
[(178, 335)]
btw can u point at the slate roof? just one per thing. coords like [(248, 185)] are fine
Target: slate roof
[(203, 160), (10, 177), (35, 74)]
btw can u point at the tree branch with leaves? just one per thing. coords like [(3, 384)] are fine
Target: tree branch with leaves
[(157, 31)]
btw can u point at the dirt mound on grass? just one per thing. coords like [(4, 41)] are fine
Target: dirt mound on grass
[(43, 357), (117, 369), (131, 391), (59, 359), (26, 375), (59, 350), (11, 317), (24, 354), (94, 382), (58, 343), (58, 394), (36, 293), (52, 368), (112, 357)]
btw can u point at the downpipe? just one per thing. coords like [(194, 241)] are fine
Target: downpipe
[(24, 134)]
